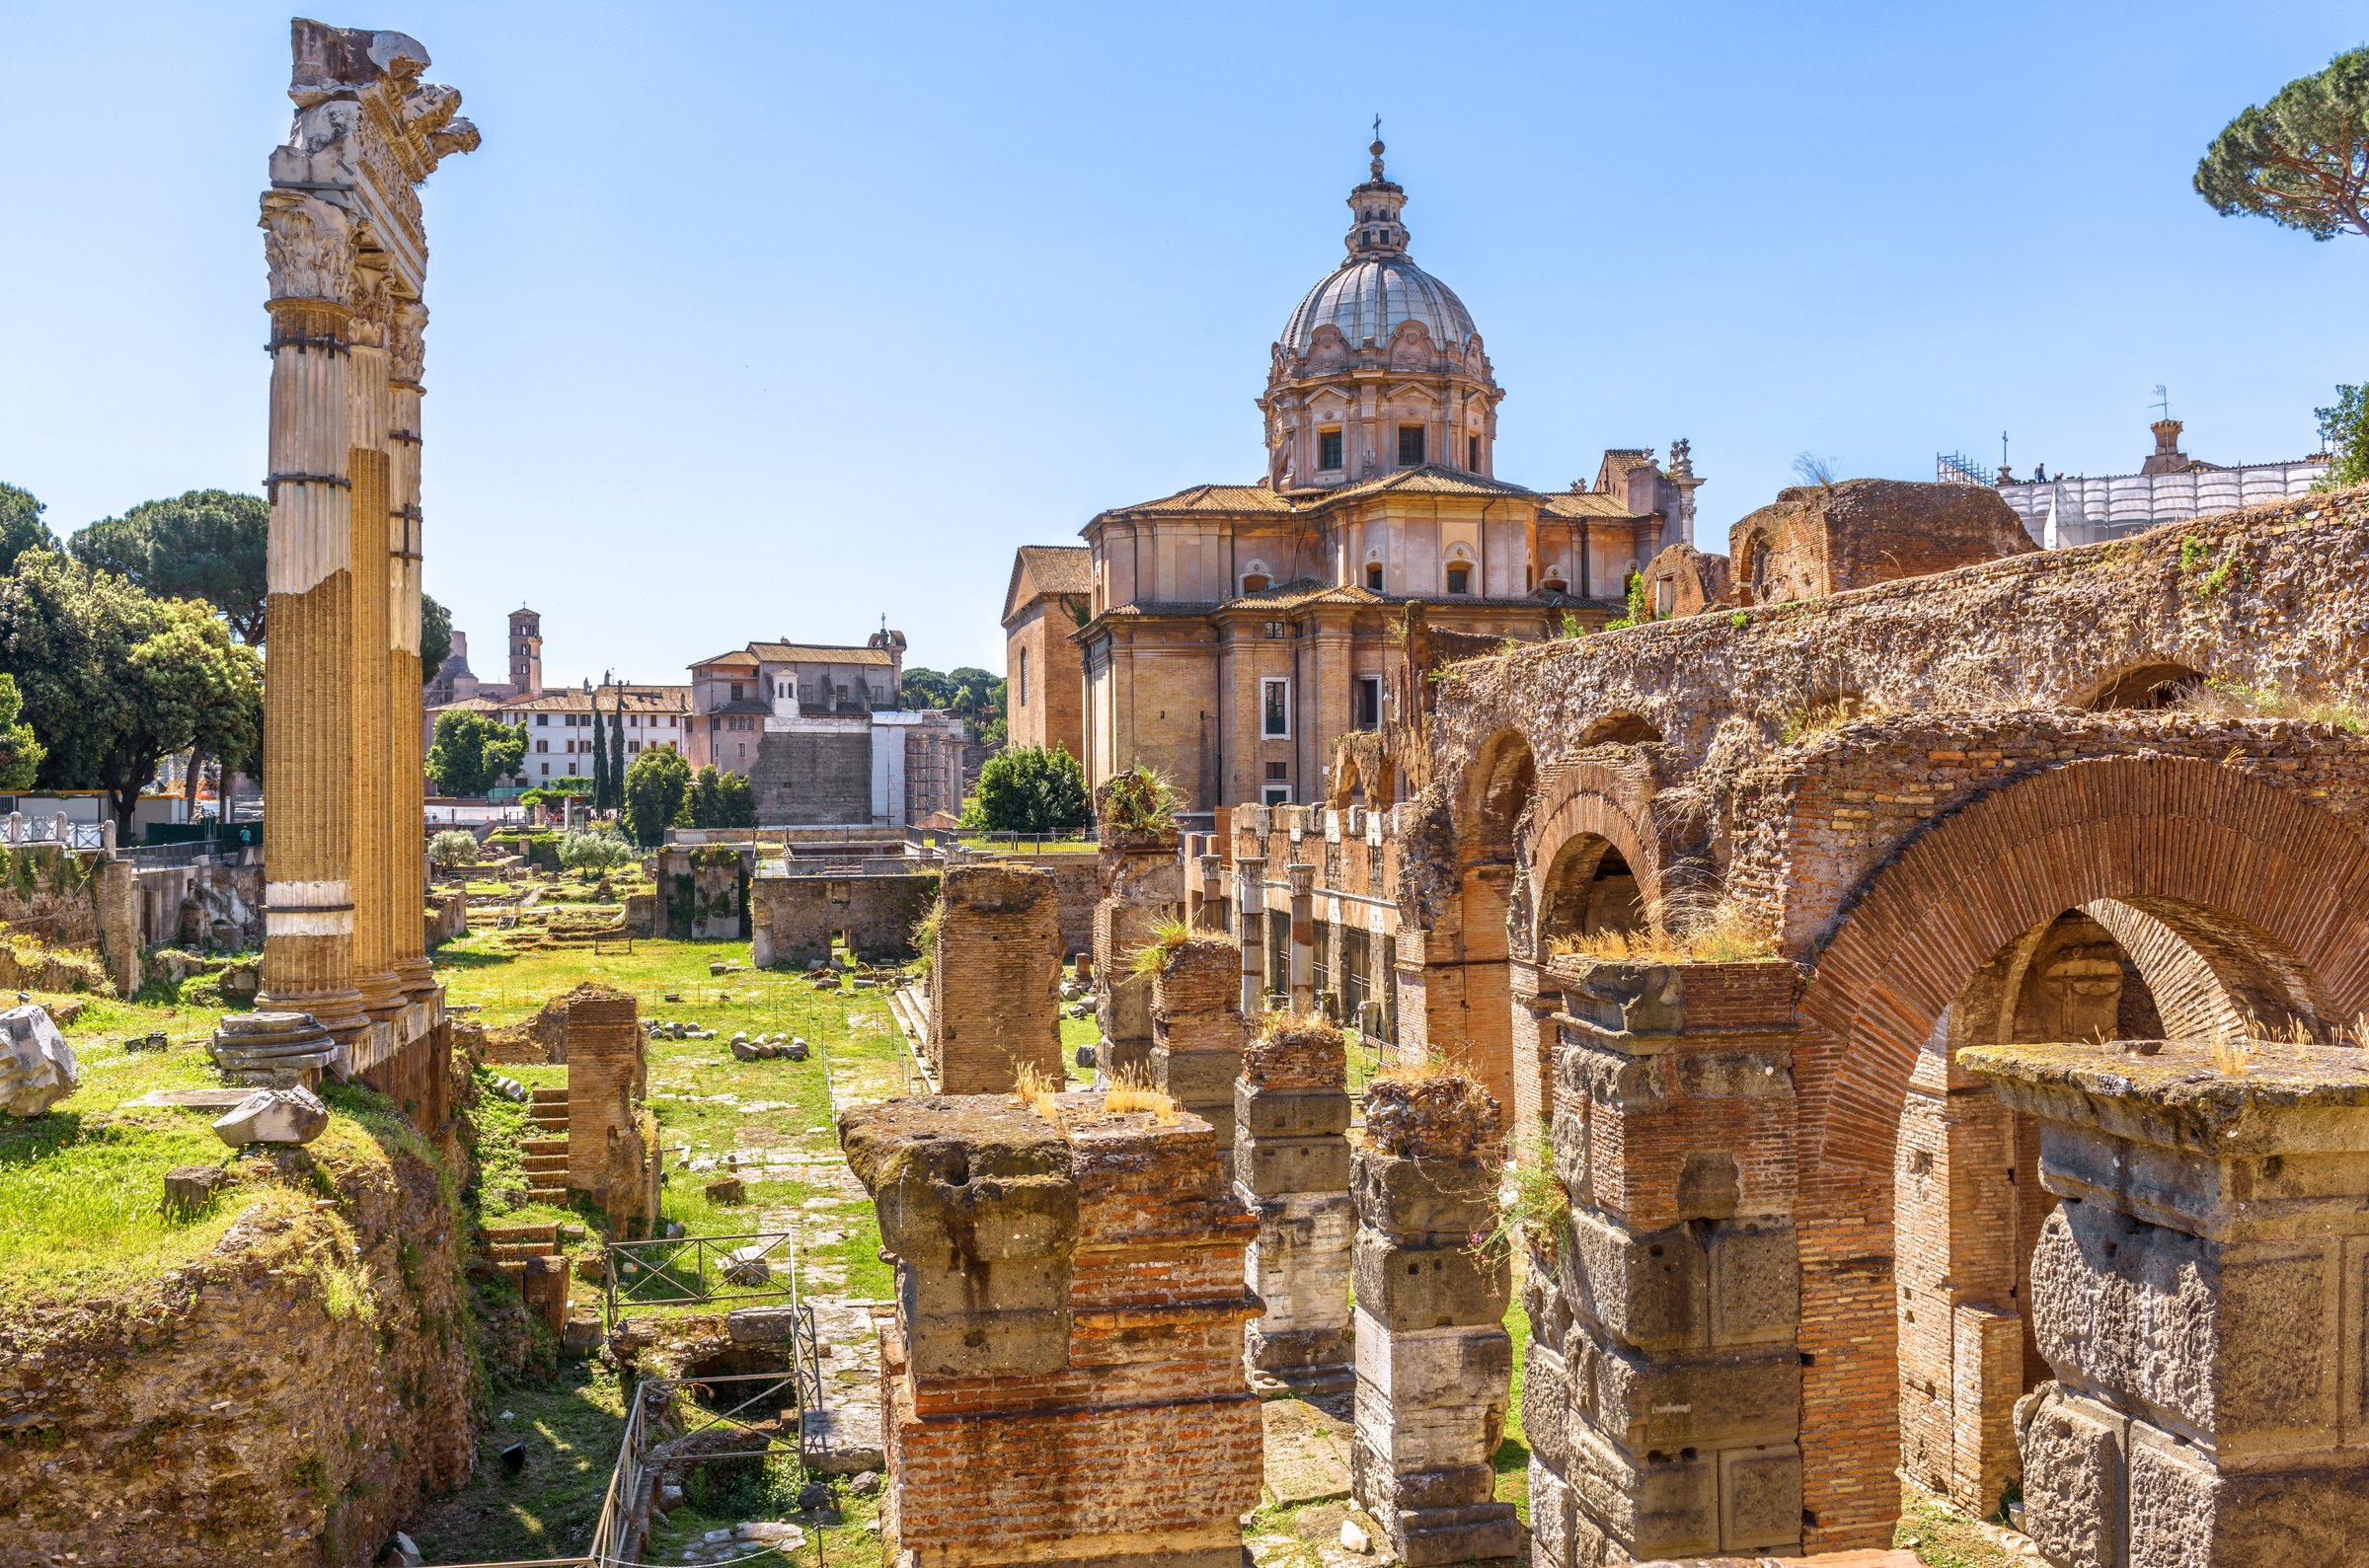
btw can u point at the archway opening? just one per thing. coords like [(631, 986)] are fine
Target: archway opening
[(1589, 891), (2152, 686), (1469, 997), (1621, 730)]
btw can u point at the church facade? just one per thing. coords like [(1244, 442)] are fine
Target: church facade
[(1233, 632)]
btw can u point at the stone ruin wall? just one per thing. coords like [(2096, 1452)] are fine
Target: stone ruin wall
[(1198, 1033), (995, 979), (1063, 1380), (794, 919), (1143, 884), (288, 1399), (613, 1150), (1291, 1165)]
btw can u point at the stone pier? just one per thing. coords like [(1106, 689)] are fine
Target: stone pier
[(1062, 1382), (1661, 1395), (1198, 1033), (612, 1140), (995, 979), (1291, 1163), (1434, 1363), (1142, 885), (347, 253), (2198, 1294)]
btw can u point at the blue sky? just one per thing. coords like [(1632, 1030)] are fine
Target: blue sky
[(754, 321)]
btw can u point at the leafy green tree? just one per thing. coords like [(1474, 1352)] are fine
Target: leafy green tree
[(473, 753), (1033, 790), (655, 785), (115, 680), (722, 798), (452, 848), (204, 544), (2346, 424), (19, 753), (596, 850), (436, 636), (925, 687), (2301, 160), (20, 526), (698, 806), (600, 759)]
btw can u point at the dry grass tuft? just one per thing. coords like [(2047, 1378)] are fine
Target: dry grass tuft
[(2232, 1055), (2216, 699), (1130, 1093), (1033, 1087), (1692, 929), (1167, 938)]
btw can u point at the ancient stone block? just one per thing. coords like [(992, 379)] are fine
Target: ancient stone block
[(1426, 1200), (1554, 1536), (1264, 1112), (1429, 1286), (2074, 1476), (189, 1188), (1292, 1164), (1760, 1497), (1755, 1282), (1663, 1504), (1651, 1289), (1695, 1400), (273, 1117), (36, 1066)]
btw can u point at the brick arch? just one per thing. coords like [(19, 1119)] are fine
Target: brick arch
[(2258, 885), (2256, 863), (1589, 799)]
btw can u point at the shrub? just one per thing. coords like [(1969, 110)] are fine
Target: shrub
[(655, 785), (1031, 789), (1140, 802), (597, 850), (452, 848)]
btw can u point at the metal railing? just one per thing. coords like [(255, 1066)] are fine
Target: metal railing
[(690, 1270), (676, 1420)]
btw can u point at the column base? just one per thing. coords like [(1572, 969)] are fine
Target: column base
[(339, 1012), (416, 977), (381, 993)]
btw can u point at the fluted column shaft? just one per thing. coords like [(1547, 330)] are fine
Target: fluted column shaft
[(367, 714), (407, 883), (308, 825)]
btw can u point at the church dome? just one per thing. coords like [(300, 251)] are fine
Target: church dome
[(1368, 296), (1379, 286)]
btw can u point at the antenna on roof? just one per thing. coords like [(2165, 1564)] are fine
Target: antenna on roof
[(2163, 400)]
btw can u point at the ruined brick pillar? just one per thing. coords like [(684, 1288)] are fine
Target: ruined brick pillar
[(2198, 1295), (995, 979), (1198, 1033), (1662, 1391), (1062, 1382), (1292, 1162), (1434, 1363), (611, 1142), (1142, 885), (121, 926), (1303, 936)]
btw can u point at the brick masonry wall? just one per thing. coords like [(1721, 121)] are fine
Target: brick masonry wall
[(612, 1152), (794, 919), (1063, 1382), (995, 980)]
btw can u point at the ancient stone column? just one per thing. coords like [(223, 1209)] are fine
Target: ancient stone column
[(1434, 1363), (1303, 936), (1662, 1391), (1198, 1033), (1212, 885), (308, 831), (407, 883), (1062, 1382), (1142, 886), (1291, 1163), (345, 251), (1250, 931), (369, 747), (2198, 1295), (995, 979)]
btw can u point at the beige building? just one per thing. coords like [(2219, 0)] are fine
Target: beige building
[(559, 725), (1045, 686), (1234, 631)]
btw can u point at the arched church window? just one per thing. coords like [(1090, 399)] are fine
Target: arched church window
[(1460, 578)]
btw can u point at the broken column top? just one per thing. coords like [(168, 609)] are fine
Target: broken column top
[(2286, 1098), (962, 1136), (1296, 1051), (1441, 1116)]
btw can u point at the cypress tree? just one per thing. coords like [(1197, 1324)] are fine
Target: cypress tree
[(601, 763), (617, 753)]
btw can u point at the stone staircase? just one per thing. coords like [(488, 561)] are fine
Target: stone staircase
[(546, 1156), (511, 1245)]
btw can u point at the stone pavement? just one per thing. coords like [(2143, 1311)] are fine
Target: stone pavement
[(843, 1436)]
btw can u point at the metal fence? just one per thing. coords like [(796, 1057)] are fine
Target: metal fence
[(699, 1270)]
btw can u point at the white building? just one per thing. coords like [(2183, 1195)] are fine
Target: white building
[(2170, 487)]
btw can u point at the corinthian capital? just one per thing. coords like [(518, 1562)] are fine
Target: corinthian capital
[(309, 247), (373, 304), (406, 346)]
